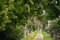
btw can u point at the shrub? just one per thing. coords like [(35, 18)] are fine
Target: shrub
[(46, 36), (30, 37)]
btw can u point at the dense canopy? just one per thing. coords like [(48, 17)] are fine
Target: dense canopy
[(15, 13)]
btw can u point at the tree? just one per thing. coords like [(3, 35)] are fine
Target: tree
[(52, 9), (13, 14)]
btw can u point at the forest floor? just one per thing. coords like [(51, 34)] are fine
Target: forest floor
[(39, 36)]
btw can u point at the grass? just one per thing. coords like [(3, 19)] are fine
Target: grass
[(31, 36), (47, 36)]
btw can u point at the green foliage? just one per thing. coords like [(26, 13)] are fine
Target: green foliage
[(16, 12), (14, 33), (52, 8), (31, 36), (32, 26), (46, 36), (55, 26)]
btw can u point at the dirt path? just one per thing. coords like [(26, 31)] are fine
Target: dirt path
[(39, 36)]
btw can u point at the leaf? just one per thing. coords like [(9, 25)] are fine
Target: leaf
[(58, 7), (31, 1)]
